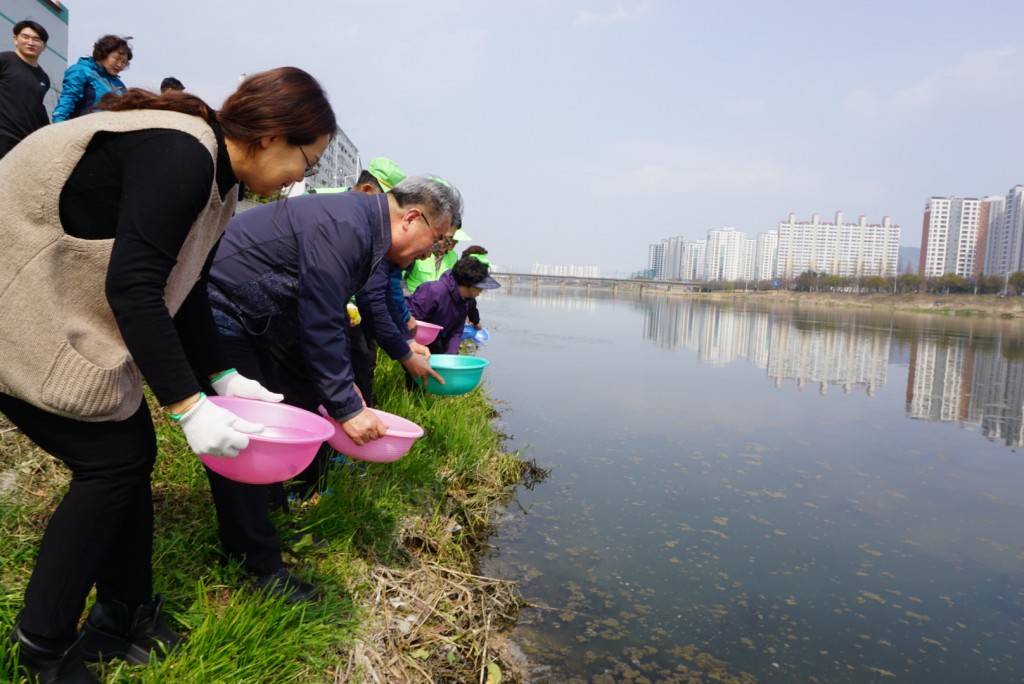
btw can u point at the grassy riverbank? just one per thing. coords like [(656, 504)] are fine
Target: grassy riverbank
[(939, 304), (402, 602)]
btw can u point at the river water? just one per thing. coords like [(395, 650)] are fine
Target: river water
[(747, 493)]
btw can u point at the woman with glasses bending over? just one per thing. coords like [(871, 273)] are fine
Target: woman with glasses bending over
[(87, 81), (102, 287)]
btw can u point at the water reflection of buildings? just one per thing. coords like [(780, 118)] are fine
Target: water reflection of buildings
[(826, 354), (951, 377), (967, 379), (555, 299)]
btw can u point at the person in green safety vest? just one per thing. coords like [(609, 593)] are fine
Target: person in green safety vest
[(431, 268)]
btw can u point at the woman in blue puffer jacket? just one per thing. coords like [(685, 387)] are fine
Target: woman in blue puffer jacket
[(93, 77)]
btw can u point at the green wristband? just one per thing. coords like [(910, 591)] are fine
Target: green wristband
[(179, 416)]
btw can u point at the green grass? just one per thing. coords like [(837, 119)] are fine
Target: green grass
[(436, 498)]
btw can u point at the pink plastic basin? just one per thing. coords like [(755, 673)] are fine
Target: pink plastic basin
[(426, 332), (287, 445), (394, 445)]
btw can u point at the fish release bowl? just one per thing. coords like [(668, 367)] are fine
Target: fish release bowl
[(426, 332), (401, 435), (290, 439), (461, 374), (481, 336)]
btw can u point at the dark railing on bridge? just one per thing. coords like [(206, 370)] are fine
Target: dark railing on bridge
[(613, 284)]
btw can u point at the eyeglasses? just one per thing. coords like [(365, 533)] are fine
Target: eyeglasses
[(440, 241), (119, 59), (311, 169)]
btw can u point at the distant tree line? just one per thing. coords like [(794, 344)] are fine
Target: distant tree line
[(906, 283)]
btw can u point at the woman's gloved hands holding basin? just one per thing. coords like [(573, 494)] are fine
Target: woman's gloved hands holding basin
[(215, 431)]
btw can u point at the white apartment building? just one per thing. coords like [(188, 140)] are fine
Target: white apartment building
[(673, 258), (694, 262), (766, 253), (1006, 237), (656, 260), (729, 256), (949, 237), (339, 165), (837, 248)]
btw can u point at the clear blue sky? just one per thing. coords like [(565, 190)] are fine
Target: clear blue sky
[(581, 132)]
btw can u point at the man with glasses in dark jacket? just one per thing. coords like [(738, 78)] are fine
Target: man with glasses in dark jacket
[(279, 286)]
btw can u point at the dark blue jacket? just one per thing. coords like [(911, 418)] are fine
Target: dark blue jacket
[(284, 272), (440, 302), (383, 315)]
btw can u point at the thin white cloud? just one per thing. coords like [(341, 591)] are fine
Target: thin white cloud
[(654, 167), (617, 16), (975, 75)]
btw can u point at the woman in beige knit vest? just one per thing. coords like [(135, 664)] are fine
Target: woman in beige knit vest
[(107, 222)]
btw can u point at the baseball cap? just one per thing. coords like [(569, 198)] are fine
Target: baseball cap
[(386, 172), (461, 235)]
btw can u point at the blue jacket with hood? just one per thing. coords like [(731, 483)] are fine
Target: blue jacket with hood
[(84, 84), (284, 272), (384, 310)]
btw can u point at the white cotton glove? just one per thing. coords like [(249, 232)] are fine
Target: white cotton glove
[(231, 383), (215, 431)]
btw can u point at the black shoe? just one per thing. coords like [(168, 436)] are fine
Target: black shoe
[(283, 585), (110, 632), (48, 666)]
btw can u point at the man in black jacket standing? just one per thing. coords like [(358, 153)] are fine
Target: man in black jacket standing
[(23, 85)]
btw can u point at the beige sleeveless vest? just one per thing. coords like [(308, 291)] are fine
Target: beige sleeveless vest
[(60, 348)]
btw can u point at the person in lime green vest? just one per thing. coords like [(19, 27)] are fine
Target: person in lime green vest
[(431, 268)]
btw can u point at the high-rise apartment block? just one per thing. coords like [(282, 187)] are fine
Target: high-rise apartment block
[(838, 247), (1005, 239), (949, 236), (844, 249)]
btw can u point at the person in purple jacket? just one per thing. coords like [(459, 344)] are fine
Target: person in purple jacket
[(445, 302)]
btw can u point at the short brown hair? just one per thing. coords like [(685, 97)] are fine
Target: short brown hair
[(109, 44), (285, 102)]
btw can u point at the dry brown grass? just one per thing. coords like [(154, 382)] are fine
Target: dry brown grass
[(430, 623)]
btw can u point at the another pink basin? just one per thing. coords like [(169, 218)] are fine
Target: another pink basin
[(395, 444), (426, 332), (286, 446)]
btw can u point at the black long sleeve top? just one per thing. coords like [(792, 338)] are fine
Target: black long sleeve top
[(145, 189)]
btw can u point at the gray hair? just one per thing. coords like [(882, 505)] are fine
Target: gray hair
[(440, 199)]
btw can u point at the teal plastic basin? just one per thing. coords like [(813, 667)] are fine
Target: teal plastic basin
[(461, 374)]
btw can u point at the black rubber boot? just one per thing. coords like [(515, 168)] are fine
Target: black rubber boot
[(47, 666), (109, 632)]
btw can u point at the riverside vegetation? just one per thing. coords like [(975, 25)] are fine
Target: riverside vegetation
[(401, 600), (968, 305)]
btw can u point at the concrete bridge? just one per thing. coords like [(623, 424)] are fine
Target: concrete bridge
[(592, 284)]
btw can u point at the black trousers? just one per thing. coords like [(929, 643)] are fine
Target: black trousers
[(363, 353), (243, 510), (102, 530)]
